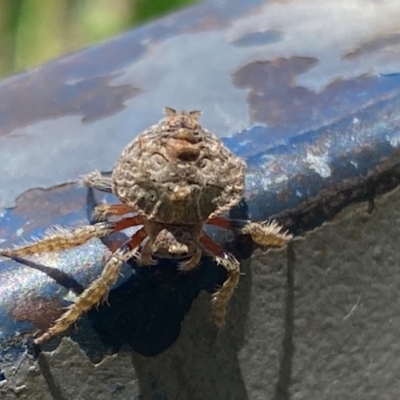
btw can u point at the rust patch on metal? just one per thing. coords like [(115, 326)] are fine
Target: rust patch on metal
[(46, 97), (41, 311), (40, 208), (272, 83), (53, 201)]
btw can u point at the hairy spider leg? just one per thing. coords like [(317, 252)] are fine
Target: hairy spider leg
[(193, 262), (146, 255), (61, 239), (96, 180), (222, 296), (262, 233), (98, 289)]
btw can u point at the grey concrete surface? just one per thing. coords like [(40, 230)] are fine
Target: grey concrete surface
[(319, 320), (346, 326)]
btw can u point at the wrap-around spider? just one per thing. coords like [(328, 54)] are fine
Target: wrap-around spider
[(174, 177)]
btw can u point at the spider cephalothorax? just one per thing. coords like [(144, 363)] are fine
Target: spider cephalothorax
[(176, 172), (175, 177)]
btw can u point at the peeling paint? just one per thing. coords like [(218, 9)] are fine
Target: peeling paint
[(319, 163)]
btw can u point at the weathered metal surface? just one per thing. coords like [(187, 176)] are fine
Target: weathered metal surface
[(307, 92)]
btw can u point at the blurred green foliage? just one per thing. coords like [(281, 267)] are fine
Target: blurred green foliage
[(33, 31)]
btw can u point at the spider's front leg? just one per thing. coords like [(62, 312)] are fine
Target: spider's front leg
[(262, 233), (193, 262), (98, 289), (104, 184), (97, 181), (146, 255), (221, 297), (61, 239)]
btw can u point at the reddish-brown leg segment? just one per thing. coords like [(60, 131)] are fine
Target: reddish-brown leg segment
[(125, 223), (98, 289), (213, 248), (221, 222), (102, 211), (222, 296)]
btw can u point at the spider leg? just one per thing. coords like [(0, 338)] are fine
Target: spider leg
[(102, 211), (61, 239), (96, 180), (222, 296), (98, 289), (262, 233), (186, 266), (145, 256)]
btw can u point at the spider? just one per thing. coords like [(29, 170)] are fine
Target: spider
[(171, 180)]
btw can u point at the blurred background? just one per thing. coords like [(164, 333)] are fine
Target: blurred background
[(34, 31)]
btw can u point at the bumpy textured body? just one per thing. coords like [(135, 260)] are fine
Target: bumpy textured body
[(176, 172), (175, 177)]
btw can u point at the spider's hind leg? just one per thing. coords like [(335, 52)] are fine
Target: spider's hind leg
[(98, 289), (222, 296), (263, 233), (146, 256), (192, 263)]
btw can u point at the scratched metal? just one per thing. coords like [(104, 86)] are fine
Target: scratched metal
[(307, 92)]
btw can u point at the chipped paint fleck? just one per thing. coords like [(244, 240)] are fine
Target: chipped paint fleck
[(319, 163), (394, 140), (20, 232), (354, 163)]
